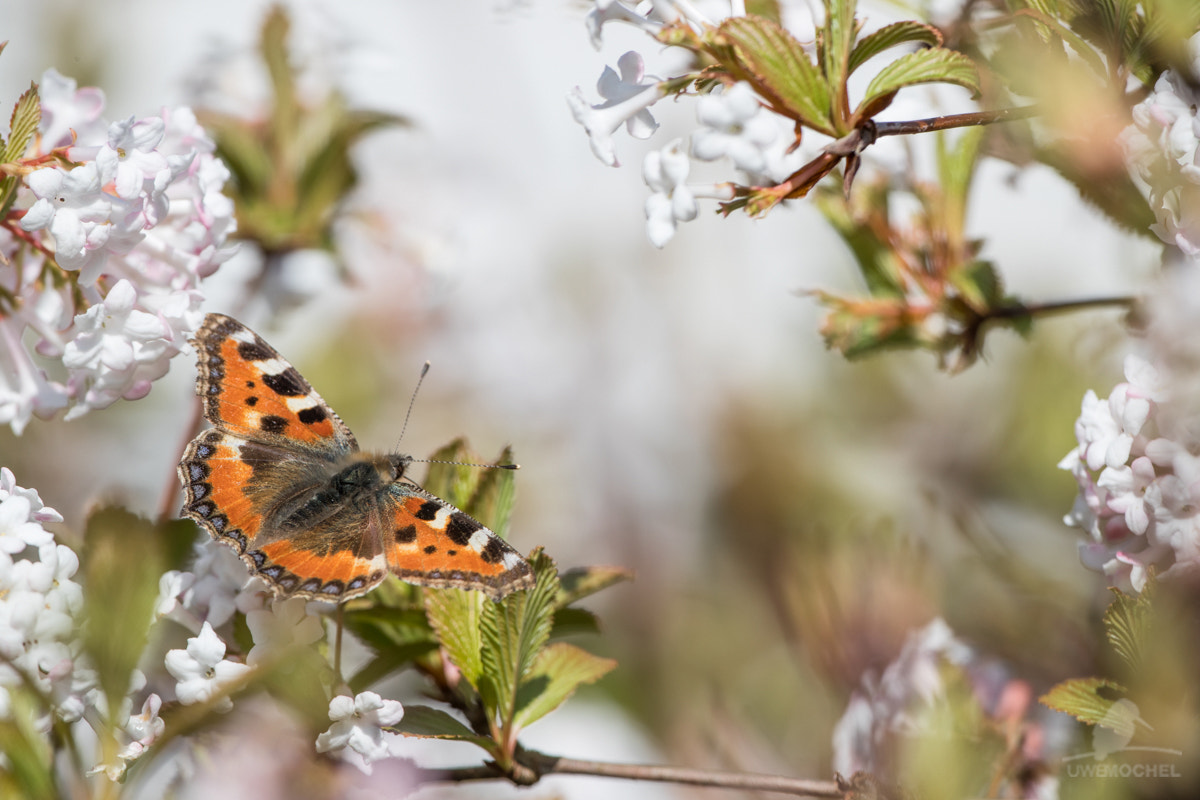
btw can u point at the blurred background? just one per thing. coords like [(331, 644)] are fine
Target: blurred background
[(790, 516)]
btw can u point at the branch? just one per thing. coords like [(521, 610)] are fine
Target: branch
[(531, 765)]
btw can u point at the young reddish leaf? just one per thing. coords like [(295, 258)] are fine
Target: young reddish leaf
[(557, 672), (923, 66), (781, 69), (891, 35)]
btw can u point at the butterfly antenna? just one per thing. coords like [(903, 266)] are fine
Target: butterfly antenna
[(412, 401), (464, 463)]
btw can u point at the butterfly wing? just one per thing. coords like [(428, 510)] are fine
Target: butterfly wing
[(274, 445), (432, 543), (249, 390)]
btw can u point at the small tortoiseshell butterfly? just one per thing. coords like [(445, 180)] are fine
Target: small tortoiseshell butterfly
[(280, 479)]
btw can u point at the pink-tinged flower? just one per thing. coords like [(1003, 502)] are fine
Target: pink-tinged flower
[(202, 671), (627, 98), (24, 388), (118, 350), (66, 108), (74, 208), (132, 157), (358, 724), (735, 125)]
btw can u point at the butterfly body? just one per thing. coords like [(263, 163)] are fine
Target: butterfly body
[(280, 478)]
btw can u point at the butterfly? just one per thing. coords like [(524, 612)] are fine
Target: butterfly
[(280, 479)]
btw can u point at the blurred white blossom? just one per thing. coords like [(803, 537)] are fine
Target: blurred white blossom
[(627, 97)]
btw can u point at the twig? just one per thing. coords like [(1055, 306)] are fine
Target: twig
[(955, 121), (531, 766)]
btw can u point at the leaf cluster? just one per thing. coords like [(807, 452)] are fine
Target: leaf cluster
[(292, 168), (502, 665)]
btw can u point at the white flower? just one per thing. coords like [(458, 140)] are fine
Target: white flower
[(358, 723), (627, 97), (735, 125), (666, 171), (18, 529), (606, 11), (221, 584), (202, 671), (284, 626)]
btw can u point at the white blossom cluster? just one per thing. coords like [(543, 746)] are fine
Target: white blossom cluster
[(40, 646), (102, 258), (40, 606), (1138, 472), (733, 123), (1163, 151)]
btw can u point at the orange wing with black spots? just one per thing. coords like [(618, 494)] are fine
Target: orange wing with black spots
[(280, 479), (250, 390), (434, 544)]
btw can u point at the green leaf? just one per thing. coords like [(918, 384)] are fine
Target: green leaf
[(514, 630), (555, 674), (979, 284), (1052, 26), (431, 723), (455, 615), (837, 40), (924, 66), (1087, 699), (571, 621), (389, 660), (890, 36), (495, 495), (781, 70), (28, 760), (1127, 625), (576, 584), (122, 560), (27, 113), (452, 482), (956, 169)]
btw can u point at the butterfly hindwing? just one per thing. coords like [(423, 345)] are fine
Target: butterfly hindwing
[(434, 544)]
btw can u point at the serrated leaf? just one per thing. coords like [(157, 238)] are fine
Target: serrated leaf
[(26, 116), (452, 481), (576, 584), (781, 69), (889, 36), (495, 495), (837, 40), (514, 630), (424, 722), (1127, 626), (556, 673), (924, 66), (455, 616), (119, 590), (1082, 698)]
